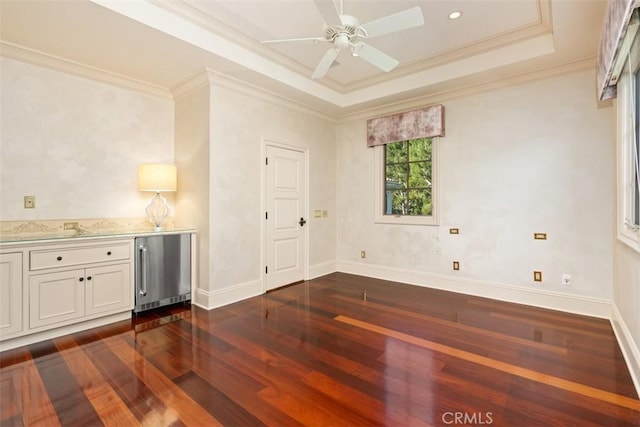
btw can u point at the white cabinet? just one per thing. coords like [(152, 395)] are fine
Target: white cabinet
[(75, 294), (10, 294), (108, 289), (56, 297), (58, 284)]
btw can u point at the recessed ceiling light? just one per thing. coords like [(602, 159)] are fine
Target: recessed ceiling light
[(455, 15)]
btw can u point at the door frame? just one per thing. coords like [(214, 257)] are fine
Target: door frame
[(263, 207)]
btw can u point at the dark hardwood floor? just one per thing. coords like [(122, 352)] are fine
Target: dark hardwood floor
[(318, 354)]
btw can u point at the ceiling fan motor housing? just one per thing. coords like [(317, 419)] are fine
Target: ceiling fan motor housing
[(342, 35)]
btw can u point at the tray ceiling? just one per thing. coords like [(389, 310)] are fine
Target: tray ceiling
[(164, 43)]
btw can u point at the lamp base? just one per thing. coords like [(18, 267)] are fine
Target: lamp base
[(157, 210)]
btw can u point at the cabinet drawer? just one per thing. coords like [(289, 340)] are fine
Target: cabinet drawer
[(79, 255)]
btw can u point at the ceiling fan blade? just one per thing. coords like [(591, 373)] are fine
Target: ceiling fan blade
[(376, 57), (404, 20), (325, 63), (327, 9), (303, 39)]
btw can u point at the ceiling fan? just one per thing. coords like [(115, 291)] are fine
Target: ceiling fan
[(344, 31)]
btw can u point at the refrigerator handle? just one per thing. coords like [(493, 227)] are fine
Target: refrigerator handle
[(143, 270)]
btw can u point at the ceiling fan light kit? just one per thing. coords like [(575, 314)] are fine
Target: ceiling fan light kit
[(345, 31)]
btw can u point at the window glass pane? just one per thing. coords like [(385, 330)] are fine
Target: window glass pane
[(420, 174), (420, 202), (420, 149), (396, 176), (396, 202), (396, 152)]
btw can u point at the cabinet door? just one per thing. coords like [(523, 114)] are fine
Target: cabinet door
[(10, 294), (56, 297), (108, 289)]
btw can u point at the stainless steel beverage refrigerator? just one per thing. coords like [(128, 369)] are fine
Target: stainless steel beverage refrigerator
[(162, 270)]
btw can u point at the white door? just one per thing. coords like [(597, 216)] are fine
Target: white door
[(285, 197)]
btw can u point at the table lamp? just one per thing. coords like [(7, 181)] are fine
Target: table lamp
[(157, 177)]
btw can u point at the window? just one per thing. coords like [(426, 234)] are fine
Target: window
[(634, 214), (628, 146), (406, 190)]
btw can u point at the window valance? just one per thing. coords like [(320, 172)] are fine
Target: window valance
[(423, 123), (614, 27)]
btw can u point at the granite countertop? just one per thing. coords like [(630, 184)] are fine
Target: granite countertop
[(70, 235)]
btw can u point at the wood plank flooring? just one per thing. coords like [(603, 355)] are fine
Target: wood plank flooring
[(319, 354)]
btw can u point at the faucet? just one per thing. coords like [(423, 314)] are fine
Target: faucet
[(74, 226)]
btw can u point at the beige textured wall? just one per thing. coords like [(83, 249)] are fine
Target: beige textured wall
[(240, 125), (192, 116), (536, 157), (75, 144)]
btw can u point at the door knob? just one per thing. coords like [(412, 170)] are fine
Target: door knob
[(302, 222)]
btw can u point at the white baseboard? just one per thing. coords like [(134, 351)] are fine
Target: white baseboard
[(628, 346), (322, 269), (229, 295), (220, 297), (588, 306)]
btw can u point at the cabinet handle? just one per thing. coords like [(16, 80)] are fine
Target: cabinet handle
[(109, 253), (143, 271), (88, 277), (81, 279), (59, 258)]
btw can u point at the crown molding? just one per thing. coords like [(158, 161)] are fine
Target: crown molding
[(208, 76), (445, 95), (195, 82), (24, 54), (212, 77)]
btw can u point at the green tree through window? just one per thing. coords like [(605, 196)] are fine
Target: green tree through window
[(408, 183)]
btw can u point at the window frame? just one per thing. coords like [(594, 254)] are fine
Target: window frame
[(627, 198), (379, 173)]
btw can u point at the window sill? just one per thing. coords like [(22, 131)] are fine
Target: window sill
[(630, 238), (406, 220)]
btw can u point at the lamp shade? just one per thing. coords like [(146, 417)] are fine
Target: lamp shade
[(157, 177)]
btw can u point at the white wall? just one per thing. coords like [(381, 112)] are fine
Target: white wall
[(228, 180), (75, 144), (192, 135), (536, 157), (240, 124)]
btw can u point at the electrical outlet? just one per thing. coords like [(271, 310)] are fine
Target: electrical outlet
[(566, 279), (537, 276), (456, 265), (70, 226), (29, 202), (363, 254)]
